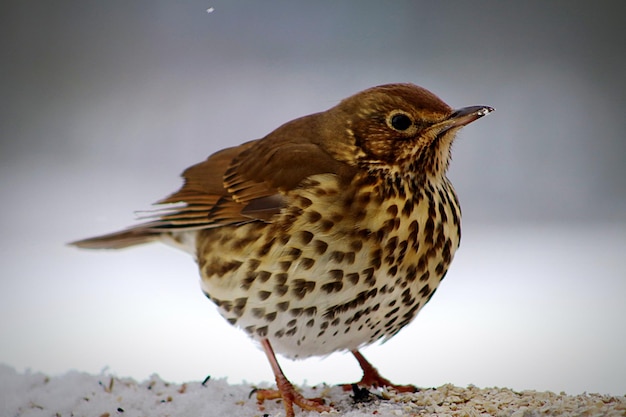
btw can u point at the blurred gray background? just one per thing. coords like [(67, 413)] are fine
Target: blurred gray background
[(105, 103)]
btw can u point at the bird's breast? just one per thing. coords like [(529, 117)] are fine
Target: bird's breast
[(340, 267)]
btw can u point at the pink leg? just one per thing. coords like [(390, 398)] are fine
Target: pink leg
[(286, 391)]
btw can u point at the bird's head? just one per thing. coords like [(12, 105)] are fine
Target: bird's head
[(399, 125)]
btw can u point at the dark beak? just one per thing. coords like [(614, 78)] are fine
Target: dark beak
[(466, 115)]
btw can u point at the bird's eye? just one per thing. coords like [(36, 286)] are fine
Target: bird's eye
[(400, 121)]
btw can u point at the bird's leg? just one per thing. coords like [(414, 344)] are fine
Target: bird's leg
[(286, 391), (371, 377)]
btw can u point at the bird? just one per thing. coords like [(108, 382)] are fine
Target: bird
[(328, 234)]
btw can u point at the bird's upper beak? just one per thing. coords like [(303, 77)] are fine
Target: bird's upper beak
[(464, 116)]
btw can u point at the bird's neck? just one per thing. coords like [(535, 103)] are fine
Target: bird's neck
[(398, 180), (426, 163)]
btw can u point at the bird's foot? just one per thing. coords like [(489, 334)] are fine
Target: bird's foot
[(286, 391), (377, 381), (290, 396), (371, 377)]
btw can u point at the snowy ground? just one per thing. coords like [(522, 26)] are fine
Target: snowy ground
[(81, 394)]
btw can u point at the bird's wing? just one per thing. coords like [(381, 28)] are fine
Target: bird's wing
[(269, 168), (236, 185)]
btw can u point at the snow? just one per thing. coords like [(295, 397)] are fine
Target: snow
[(80, 394)]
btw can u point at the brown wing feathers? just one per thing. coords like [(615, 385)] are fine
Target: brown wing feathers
[(202, 202), (235, 185)]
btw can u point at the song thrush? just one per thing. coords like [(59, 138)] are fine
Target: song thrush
[(329, 233)]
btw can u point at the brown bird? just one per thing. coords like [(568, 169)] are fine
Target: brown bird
[(328, 234)]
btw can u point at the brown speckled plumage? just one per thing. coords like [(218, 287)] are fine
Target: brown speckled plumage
[(328, 234)]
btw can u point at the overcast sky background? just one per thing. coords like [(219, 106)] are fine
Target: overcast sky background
[(105, 103)]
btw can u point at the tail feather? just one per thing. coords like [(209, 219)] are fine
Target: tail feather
[(119, 240)]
